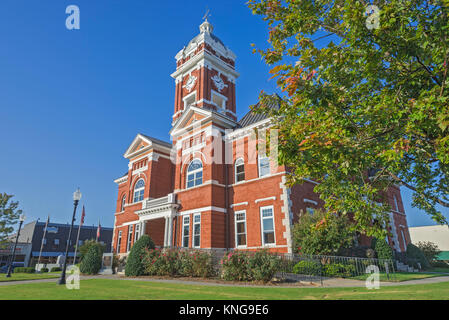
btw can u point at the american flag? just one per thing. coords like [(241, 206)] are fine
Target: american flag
[(82, 216), (98, 230)]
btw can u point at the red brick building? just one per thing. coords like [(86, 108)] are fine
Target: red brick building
[(212, 187)]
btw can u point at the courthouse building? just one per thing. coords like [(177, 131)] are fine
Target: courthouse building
[(211, 187)]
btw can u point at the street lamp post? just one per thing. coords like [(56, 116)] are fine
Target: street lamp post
[(22, 219), (76, 199)]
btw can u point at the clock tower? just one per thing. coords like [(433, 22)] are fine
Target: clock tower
[(205, 75)]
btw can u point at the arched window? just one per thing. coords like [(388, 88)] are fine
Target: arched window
[(239, 170), (195, 173), (122, 206), (139, 188)]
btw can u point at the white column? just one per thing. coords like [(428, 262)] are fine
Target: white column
[(166, 232), (170, 231)]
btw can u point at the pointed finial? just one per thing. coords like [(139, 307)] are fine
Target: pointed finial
[(206, 15)]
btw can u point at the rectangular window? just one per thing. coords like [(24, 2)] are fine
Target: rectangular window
[(137, 233), (240, 229), (45, 241), (264, 166), (185, 231), (197, 230), (267, 221), (130, 238), (194, 179), (56, 242), (119, 241)]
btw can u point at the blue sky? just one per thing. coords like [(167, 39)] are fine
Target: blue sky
[(72, 101)]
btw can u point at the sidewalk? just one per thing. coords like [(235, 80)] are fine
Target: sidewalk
[(327, 283)]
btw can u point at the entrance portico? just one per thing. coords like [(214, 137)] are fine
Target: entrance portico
[(166, 208)]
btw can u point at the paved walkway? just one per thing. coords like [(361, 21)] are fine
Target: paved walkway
[(327, 283)]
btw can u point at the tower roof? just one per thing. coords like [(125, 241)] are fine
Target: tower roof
[(206, 36)]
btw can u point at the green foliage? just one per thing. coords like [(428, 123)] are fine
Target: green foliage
[(55, 269), (134, 264), (24, 270), (383, 250), (44, 270), (415, 254), (9, 214), (322, 233), (307, 267), (338, 270), (439, 264), (250, 266), (360, 100), (173, 262), (91, 263), (84, 248), (429, 249)]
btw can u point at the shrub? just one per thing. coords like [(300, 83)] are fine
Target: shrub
[(439, 264), (178, 263), (24, 270), (254, 266), (235, 266), (322, 233), (263, 265), (44, 270), (383, 249), (429, 249), (84, 248), (307, 267), (414, 253), (55, 269), (134, 264), (91, 263)]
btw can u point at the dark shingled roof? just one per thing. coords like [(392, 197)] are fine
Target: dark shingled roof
[(252, 117), (157, 141)]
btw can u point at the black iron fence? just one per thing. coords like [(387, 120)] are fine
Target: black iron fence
[(315, 268)]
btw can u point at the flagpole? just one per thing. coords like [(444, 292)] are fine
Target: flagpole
[(42, 241), (77, 243), (78, 236)]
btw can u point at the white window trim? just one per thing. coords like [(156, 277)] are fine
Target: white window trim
[(119, 241), (258, 166), (183, 225), (261, 226), (235, 170), (130, 237), (123, 203), (187, 97), (225, 99), (235, 229), (139, 189), (193, 227), (194, 174)]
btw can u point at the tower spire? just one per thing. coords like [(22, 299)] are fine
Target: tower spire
[(206, 27)]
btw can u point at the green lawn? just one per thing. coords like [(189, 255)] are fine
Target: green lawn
[(401, 276), (130, 289), (29, 276)]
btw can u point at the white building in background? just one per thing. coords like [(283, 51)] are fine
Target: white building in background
[(437, 234)]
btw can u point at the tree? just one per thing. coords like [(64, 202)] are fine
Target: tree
[(414, 254), (429, 249), (322, 233), (134, 264), (9, 214), (383, 249), (364, 108), (91, 263), (84, 248)]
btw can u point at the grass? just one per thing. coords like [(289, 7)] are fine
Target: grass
[(100, 289), (29, 276), (401, 276)]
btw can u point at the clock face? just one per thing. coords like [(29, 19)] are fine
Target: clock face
[(219, 83), (190, 83)]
